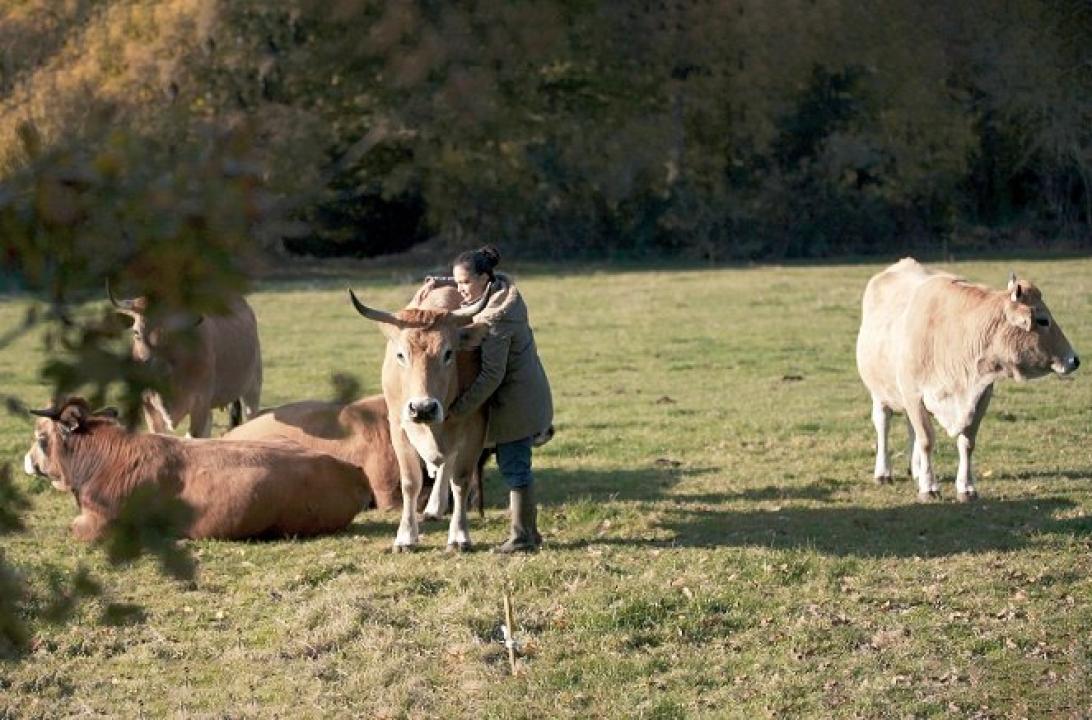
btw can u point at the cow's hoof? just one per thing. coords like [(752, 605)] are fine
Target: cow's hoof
[(928, 497), (884, 480), (969, 496), (396, 549), (459, 547)]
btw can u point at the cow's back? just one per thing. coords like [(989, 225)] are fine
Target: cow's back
[(256, 489), (235, 350), (357, 433), (884, 307)]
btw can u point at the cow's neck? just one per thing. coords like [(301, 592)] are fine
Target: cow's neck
[(969, 368), (998, 359), (108, 462)]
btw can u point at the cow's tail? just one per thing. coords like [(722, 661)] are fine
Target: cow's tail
[(235, 411)]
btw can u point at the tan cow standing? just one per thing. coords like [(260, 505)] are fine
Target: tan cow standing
[(210, 361), (229, 490), (429, 358), (934, 344)]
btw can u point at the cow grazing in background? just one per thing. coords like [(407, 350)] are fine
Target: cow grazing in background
[(934, 344), (210, 361), (229, 490), (431, 355)]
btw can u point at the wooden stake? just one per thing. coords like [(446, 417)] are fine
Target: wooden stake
[(510, 636)]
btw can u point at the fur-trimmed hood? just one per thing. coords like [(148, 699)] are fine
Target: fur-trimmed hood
[(505, 305)]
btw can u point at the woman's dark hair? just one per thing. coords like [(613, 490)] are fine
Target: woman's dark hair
[(480, 261)]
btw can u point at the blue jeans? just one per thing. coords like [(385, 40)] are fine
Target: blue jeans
[(514, 461)]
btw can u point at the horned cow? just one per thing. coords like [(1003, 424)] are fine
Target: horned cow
[(430, 356), (933, 344), (230, 489), (209, 360)]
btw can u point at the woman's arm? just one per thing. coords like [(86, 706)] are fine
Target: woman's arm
[(494, 365), (431, 283)]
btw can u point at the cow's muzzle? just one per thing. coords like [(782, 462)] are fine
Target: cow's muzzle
[(427, 411), (30, 467), (1066, 365)]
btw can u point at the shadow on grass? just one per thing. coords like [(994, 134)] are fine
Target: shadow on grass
[(908, 530), (929, 530), (816, 491), (374, 524), (1071, 474), (554, 486)]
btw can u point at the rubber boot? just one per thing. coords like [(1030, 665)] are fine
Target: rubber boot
[(524, 537)]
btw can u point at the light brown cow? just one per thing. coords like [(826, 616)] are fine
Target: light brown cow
[(230, 490), (210, 361), (357, 433), (934, 344), (429, 357)]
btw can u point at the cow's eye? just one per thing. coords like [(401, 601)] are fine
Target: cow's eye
[(43, 442), (1042, 322), (448, 355), (400, 357)]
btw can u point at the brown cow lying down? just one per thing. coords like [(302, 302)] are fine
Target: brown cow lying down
[(234, 490), (356, 433)]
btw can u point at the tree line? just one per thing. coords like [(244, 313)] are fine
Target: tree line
[(705, 128)]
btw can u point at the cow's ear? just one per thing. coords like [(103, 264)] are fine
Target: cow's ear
[(471, 336), (1016, 291), (73, 417), (1020, 316)]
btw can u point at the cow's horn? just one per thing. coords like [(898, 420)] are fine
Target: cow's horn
[(51, 414), (475, 307), (123, 306), (372, 313)]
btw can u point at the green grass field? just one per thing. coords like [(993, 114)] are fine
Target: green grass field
[(715, 544)]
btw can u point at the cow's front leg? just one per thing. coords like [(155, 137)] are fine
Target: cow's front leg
[(88, 526), (458, 533), (880, 420), (923, 447), (155, 413), (409, 466), (200, 420), (965, 490), (964, 485), (437, 499)]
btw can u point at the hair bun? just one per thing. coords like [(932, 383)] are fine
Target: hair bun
[(491, 254)]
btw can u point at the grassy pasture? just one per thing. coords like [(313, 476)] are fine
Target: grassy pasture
[(716, 547)]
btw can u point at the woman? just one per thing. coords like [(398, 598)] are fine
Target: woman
[(512, 383)]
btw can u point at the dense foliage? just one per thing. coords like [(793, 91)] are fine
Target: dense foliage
[(749, 128)]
